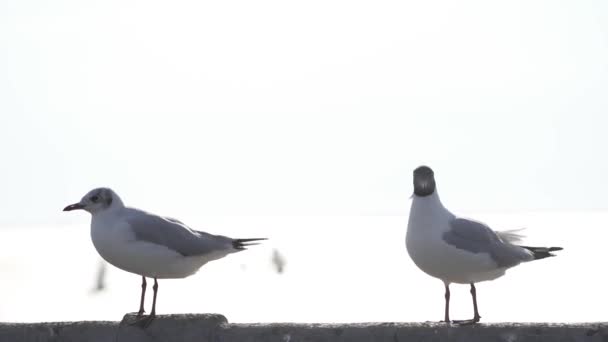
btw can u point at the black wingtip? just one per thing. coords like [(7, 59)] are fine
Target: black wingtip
[(542, 252), (241, 244)]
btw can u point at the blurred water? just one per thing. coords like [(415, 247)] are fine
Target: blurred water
[(338, 269)]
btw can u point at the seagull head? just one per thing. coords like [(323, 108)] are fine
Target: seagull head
[(424, 181), (96, 200)]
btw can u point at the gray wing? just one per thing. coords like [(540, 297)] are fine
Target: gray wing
[(476, 237), (174, 235)]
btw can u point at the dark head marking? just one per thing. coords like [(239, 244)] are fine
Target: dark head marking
[(103, 196), (424, 181), (107, 196)]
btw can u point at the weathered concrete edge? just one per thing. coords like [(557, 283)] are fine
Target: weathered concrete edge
[(216, 328)]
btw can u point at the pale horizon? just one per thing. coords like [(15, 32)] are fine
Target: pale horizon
[(302, 122)]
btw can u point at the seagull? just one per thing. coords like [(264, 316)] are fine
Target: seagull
[(149, 245), (459, 250)]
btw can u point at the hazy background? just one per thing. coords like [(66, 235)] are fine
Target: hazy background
[(200, 109)]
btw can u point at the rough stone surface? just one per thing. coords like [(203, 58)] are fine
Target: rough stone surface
[(215, 328), (404, 332)]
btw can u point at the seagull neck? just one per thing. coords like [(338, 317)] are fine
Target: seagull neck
[(430, 201)]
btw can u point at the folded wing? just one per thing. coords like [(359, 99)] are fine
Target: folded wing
[(175, 235), (476, 237)]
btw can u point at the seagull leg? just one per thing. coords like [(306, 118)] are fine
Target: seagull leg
[(476, 316), (145, 321), (143, 295), (447, 303), (155, 288)]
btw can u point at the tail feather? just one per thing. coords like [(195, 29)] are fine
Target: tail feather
[(512, 236), (242, 244), (542, 252)]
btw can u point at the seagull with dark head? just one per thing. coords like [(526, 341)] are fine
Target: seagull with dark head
[(459, 250), (149, 245)]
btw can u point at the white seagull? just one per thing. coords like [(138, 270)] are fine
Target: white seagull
[(150, 245), (458, 250)]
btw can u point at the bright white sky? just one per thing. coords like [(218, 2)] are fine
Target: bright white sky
[(302, 108)]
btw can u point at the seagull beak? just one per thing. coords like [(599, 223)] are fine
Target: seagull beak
[(73, 207)]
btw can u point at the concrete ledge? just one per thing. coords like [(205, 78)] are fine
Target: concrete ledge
[(216, 328)]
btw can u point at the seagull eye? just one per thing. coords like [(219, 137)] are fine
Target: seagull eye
[(95, 198)]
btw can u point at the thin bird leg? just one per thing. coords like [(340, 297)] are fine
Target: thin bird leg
[(143, 295), (447, 304), (155, 288), (145, 321), (476, 316)]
